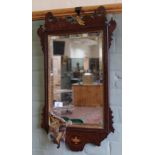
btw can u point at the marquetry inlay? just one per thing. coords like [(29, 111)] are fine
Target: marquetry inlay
[(75, 140)]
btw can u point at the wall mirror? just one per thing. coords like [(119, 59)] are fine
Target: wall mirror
[(76, 108)]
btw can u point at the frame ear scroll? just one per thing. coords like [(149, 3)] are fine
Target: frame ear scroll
[(111, 28), (40, 33)]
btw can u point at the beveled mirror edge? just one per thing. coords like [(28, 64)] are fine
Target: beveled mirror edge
[(75, 137)]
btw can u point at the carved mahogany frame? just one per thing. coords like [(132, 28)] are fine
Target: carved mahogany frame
[(77, 137)]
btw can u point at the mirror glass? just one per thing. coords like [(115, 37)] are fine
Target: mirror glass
[(76, 78)]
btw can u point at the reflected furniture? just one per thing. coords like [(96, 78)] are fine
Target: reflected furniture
[(87, 95)]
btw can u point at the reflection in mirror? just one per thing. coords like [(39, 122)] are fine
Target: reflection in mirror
[(76, 78)]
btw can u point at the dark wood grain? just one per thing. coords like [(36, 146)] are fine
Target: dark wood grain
[(77, 137)]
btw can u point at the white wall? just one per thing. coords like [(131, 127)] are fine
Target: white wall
[(38, 5), (82, 51), (112, 144)]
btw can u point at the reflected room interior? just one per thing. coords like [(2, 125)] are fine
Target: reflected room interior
[(76, 78)]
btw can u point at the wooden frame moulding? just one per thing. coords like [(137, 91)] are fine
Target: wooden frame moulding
[(110, 8)]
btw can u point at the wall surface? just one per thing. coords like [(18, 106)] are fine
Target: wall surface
[(112, 144), (58, 4)]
